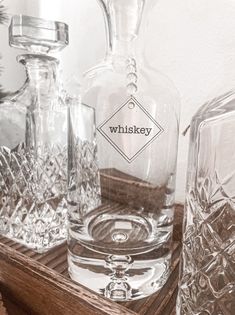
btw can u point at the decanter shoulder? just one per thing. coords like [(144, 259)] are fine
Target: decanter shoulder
[(159, 82), (21, 96), (216, 116), (216, 108), (114, 76), (11, 106), (12, 123), (95, 75)]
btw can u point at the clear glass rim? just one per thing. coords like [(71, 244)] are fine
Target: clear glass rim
[(37, 35), (26, 20)]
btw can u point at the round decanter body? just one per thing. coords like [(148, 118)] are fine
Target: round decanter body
[(122, 171), (148, 117), (207, 269)]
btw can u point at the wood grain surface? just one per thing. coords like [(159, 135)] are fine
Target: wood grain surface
[(11, 307), (120, 187), (38, 284), (3, 310)]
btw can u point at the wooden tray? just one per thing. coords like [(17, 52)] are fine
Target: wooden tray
[(40, 285)]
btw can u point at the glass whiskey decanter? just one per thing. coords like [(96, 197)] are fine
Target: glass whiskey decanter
[(33, 140), (207, 284), (122, 165)]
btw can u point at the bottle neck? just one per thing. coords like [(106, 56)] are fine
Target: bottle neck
[(123, 20), (41, 73), (122, 49)]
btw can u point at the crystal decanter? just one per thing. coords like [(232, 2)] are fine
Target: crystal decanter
[(33, 140), (122, 165), (207, 284)]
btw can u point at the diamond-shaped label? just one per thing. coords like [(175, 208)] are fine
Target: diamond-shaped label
[(130, 129)]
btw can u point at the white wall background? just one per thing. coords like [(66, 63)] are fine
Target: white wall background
[(191, 41)]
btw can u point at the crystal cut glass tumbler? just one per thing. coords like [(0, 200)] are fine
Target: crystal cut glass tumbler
[(33, 141), (122, 165), (207, 284)]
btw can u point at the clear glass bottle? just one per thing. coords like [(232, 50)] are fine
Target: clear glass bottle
[(33, 140), (207, 285), (122, 167)]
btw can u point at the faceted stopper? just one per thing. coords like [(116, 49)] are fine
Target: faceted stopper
[(37, 35)]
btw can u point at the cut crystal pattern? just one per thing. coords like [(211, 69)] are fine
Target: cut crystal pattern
[(207, 285), (33, 208), (208, 269)]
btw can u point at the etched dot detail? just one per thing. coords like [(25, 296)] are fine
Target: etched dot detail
[(131, 76), (132, 88), (131, 105)]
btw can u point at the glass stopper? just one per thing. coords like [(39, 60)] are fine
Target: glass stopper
[(37, 35)]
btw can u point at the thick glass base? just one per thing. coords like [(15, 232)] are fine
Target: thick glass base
[(120, 278)]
